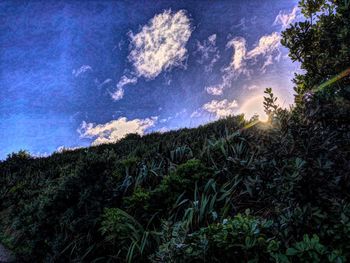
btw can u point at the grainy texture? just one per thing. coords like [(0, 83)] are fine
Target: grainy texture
[(5, 255)]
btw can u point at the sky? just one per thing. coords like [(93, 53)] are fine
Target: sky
[(80, 73)]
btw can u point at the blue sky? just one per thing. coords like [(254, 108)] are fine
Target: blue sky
[(76, 73)]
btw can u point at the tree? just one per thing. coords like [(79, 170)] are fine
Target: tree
[(321, 44)]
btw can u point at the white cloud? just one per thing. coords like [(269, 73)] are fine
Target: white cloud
[(125, 81), (118, 94), (62, 148), (268, 61), (239, 46), (161, 44), (212, 39), (221, 108), (215, 90), (240, 50), (196, 114), (114, 130), (237, 66), (285, 19), (163, 130), (266, 46), (209, 52), (82, 69)]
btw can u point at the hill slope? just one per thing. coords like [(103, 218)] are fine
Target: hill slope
[(216, 192)]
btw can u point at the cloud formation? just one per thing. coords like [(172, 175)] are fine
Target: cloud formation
[(267, 45), (242, 60), (239, 55), (119, 92), (161, 44), (221, 108), (82, 69), (196, 114), (208, 52), (285, 19), (215, 90), (105, 82), (114, 130), (235, 68), (63, 148)]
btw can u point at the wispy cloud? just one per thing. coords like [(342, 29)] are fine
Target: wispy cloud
[(196, 114), (285, 19), (268, 62), (174, 116), (105, 82), (242, 60), (221, 108), (119, 92), (208, 52), (215, 90), (125, 81), (236, 67), (163, 130), (114, 130), (161, 44), (238, 64), (62, 148), (246, 23), (81, 70), (266, 46)]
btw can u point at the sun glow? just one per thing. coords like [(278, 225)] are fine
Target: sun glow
[(254, 106), (341, 75)]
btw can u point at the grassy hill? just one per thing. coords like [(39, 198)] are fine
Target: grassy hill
[(270, 192)]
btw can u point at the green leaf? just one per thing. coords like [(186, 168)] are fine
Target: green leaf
[(292, 251)]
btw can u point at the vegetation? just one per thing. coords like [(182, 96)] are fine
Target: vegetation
[(228, 191)]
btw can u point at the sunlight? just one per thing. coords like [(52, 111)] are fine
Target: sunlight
[(334, 79), (254, 106)]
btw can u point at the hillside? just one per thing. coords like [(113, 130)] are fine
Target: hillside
[(223, 190), (234, 190)]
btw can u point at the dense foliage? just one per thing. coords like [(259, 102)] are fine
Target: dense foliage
[(229, 191)]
